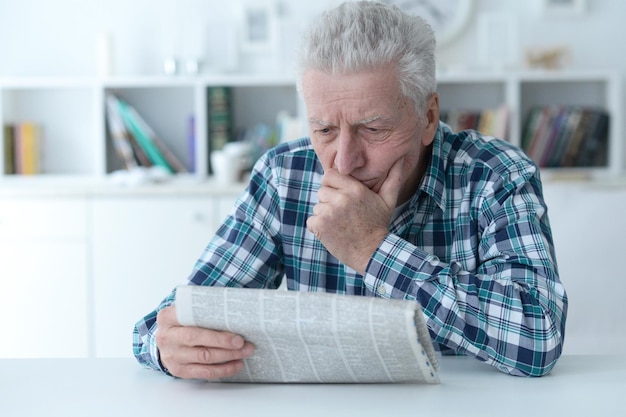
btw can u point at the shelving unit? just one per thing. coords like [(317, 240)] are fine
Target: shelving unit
[(522, 91), (76, 146), (86, 227), (72, 114)]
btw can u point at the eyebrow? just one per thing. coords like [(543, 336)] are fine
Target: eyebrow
[(358, 122)]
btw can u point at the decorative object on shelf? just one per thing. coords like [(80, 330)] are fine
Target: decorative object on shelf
[(192, 66), (498, 40), (548, 57), (448, 18), (231, 162), (563, 8), (222, 47), (170, 66), (104, 54), (260, 137), (259, 30)]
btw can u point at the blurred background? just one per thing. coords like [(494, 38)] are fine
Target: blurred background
[(91, 239)]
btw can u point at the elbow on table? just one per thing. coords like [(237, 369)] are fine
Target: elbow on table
[(536, 360)]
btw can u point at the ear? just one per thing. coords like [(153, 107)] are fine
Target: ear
[(431, 119)]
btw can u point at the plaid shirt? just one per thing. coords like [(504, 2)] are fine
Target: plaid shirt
[(473, 246)]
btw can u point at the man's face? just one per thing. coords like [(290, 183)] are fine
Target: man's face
[(361, 124)]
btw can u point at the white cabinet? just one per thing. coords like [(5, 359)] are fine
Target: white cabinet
[(143, 246), (43, 277), (589, 227), (78, 270)]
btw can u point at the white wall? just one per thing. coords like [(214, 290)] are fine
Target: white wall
[(57, 37)]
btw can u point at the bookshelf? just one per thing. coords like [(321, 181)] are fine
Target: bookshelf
[(76, 145), (520, 92)]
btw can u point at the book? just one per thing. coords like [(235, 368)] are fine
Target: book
[(571, 124), (594, 149), (140, 154), (567, 136), (9, 149), (541, 132), (219, 119), (500, 122), (310, 337), (119, 134), (145, 137), (530, 124), (172, 161), (576, 140), (191, 142), (554, 130), (26, 146), (137, 129)]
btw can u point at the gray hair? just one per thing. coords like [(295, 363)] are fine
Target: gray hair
[(366, 35)]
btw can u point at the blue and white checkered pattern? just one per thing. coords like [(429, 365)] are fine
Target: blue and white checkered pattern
[(473, 247)]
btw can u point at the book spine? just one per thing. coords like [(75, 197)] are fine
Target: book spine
[(170, 159), (191, 142), (575, 141), (138, 151), (27, 147), (219, 119), (572, 120), (9, 149), (119, 135), (594, 146)]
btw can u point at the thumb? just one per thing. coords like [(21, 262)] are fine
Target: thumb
[(390, 189)]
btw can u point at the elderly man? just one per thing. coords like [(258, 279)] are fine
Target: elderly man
[(383, 200)]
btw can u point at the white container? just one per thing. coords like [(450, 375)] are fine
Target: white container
[(230, 163)]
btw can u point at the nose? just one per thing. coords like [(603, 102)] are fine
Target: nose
[(348, 154)]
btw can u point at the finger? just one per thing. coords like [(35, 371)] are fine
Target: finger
[(311, 224), (167, 316), (209, 356), (333, 179), (390, 189), (199, 371), (199, 336)]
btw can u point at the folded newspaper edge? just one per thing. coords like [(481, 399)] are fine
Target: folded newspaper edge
[(310, 337)]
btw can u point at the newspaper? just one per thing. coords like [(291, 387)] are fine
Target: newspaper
[(306, 337)]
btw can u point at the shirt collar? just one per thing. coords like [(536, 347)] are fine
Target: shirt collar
[(433, 183)]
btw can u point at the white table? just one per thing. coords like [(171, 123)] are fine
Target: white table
[(578, 386)]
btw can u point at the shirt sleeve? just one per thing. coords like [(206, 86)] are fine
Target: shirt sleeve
[(509, 309), (144, 343)]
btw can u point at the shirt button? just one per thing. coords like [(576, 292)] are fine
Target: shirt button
[(382, 290)]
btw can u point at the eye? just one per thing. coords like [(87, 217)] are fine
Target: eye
[(374, 134)]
